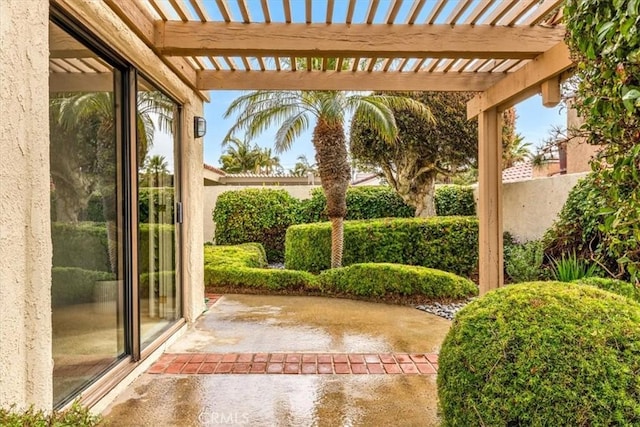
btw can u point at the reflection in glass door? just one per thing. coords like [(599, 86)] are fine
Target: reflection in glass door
[(87, 223), (157, 177)]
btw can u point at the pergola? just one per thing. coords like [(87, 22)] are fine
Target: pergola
[(507, 50)]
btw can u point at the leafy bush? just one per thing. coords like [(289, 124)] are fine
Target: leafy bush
[(454, 200), (72, 285), (375, 280), (362, 203), (162, 201), (542, 354), (156, 277), (445, 243), (619, 287), (155, 232), (243, 266), (570, 268), (76, 416), (82, 245), (523, 262), (255, 215)]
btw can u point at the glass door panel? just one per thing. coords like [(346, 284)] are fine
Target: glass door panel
[(160, 297), (86, 214)]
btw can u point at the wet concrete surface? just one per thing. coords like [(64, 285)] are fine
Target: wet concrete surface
[(251, 323), (258, 323)]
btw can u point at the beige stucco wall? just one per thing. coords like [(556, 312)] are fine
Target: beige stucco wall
[(579, 153), (211, 194), (103, 22), (530, 207), (25, 236)]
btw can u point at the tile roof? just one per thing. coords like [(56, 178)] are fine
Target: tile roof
[(521, 171)]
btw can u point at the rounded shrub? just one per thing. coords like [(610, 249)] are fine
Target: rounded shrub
[(542, 354), (255, 215), (378, 280), (445, 243)]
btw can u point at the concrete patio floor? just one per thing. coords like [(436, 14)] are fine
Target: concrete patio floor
[(274, 360)]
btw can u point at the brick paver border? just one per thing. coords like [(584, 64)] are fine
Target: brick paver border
[(296, 363)]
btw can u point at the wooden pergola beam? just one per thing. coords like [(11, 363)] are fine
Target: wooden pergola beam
[(523, 83), (81, 82), (344, 80), (62, 45), (174, 38)]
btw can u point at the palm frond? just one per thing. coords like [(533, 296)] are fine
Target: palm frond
[(290, 130)]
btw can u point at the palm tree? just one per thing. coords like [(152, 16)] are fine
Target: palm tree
[(516, 151), (240, 156), (294, 112), (267, 162), (156, 170), (302, 167)]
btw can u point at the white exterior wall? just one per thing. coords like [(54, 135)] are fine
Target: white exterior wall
[(25, 235), (211, 194), (530, 207)]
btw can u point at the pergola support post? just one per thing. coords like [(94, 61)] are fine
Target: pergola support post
[(490, 200)]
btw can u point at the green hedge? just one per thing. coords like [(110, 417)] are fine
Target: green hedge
[(157, 232), (451, 200), (255, 215), (163, 202), (244, 266), (76, 416), (444, 243), (542, 354), (84, 245), (619, 287), (72, 285), (145, 278), (362, 203), (376, 280)]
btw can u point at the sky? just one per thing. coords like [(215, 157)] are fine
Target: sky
[(534, 122)]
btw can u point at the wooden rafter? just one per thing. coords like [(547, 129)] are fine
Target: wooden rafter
[(320, 40), (345, 80)]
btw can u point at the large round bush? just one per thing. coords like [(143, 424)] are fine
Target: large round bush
[(543, 354)]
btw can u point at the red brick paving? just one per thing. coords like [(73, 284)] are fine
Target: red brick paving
[(211, 299), (296, 363)]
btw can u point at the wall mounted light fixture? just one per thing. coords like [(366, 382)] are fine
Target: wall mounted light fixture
[(199, 126)]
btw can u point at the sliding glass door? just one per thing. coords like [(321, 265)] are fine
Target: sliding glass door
[(160, 302), (87, 221)]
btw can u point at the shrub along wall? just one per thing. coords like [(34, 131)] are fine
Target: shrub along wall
[(72, 285), (81, 245), (454, 200), (445, 243), (255, 215)]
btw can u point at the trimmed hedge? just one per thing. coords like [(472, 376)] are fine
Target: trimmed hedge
[(84, 245), (255, 215), (243, 266), (542, 354), (451, 200), (376, 280), (444, 243), (72, 285), (362, 203), (164, 232), (619, 287)]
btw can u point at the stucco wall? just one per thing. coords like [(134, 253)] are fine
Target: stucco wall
[(103, 22), (530, 207), (25, 236), (211, 194)]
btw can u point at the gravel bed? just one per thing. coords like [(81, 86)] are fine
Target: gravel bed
[(447, 311)]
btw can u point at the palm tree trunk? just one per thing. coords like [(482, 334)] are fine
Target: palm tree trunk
[(331, 156)]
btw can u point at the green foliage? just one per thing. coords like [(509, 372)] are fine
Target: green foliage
[(523, 262), (255, 215), (362, 203), (83, 245), (584, 225), (243, 266), (76, 416), (156, 277), (455, 200), (570, 268), (383, 279), (445, 243), (619, 287), (158, 201), (72, 285), (156, 233), (604, 39), (542, 354)]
